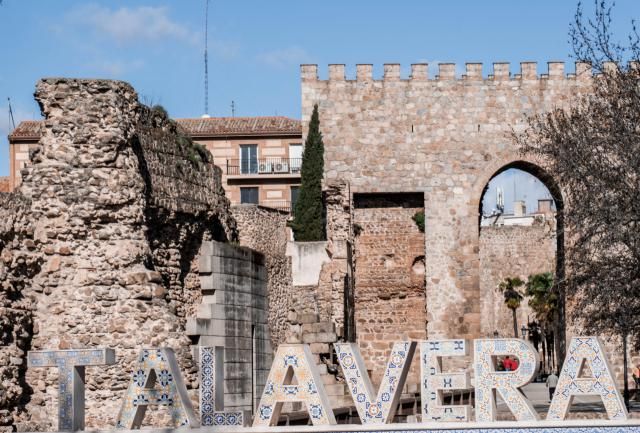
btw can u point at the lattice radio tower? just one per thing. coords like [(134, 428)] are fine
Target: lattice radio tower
[(206, 60)]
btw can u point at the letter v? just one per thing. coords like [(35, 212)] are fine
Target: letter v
[(381, 408)]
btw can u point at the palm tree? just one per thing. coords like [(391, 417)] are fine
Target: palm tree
[(544, 303), (512, 298)]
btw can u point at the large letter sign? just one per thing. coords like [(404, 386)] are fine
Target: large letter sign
[(156, 366), (434, 381), (293, 360), (586, 350), (71, 365), (212, 390), (489, 381), (372, 408)]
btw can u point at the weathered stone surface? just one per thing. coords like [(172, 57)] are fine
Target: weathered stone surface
[(265, 230), (100, 245)]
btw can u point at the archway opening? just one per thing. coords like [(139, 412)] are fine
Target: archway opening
[(520, 219)]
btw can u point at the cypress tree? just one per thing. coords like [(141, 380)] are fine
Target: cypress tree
[(308, 223)]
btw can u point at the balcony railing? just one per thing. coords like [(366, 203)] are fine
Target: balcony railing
[(282, 206), (263, 166)]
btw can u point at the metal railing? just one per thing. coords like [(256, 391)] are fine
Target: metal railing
[(282, 205), (263, 166)]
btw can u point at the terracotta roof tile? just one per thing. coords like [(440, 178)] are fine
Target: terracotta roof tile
[(241, 126), (27, 129), (211, 126)]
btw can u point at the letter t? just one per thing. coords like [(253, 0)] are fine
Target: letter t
[(70, 365)]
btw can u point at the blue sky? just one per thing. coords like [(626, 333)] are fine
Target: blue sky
[(255, 47)]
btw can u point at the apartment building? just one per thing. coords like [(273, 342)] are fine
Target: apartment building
[(260, 157)]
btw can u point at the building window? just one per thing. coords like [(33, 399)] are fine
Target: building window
[(295, 157), (295, 190), (249, 158), (249, 195)]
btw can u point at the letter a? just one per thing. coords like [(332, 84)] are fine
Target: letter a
[(586, 350), (374, 409), (434, 381), (489, 381), (156, 366), (293, 360)]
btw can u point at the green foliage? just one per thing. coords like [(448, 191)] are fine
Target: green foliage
[(542, 299), (509, 288), (418, 217), (159, 110), (308, 224), (512, 297)]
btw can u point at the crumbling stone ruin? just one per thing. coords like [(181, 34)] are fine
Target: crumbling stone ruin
[(100, 245)]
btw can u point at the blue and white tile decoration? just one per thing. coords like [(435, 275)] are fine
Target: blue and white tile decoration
[(293, 360), (433, 381), (381, 407), (156, 380), (70, 364), (211, 410), (507, 383), (541, 429), (586, 350)]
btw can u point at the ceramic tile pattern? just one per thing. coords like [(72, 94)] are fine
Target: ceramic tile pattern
[(289, 361), (209, 413), (70, 364), (506, 383), (156, 380), (434, 381), (380, 408), (586, 350)]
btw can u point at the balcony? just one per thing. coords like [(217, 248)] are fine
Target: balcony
[(282, 206), (264, 167)]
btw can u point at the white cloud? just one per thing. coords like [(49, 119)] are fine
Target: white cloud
[(282, 58), (130, 25), (116, 68)]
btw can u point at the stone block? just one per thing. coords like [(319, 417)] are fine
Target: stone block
[(320, 348), (308, 318), (319, 337), (336, 390)]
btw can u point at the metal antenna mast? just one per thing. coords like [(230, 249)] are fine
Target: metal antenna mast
[(206, 59), (13, 122)]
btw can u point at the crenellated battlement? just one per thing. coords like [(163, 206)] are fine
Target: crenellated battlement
[(449, 72)]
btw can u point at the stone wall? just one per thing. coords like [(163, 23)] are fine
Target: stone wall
[(444, 137), (511, 251), (265, 230), (389, 277), (233, 315), (104, 251), (17, 266)]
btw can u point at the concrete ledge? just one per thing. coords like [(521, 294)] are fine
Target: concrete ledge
[(307, 259), (571, 426)]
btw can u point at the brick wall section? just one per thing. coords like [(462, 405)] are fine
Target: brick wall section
[(511, 251), (389, 284), (265, 230), (5, 184), (444, 137), (103, 251)]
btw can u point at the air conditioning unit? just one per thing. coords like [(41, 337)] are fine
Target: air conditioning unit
[(264, 167), (281, 167)]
